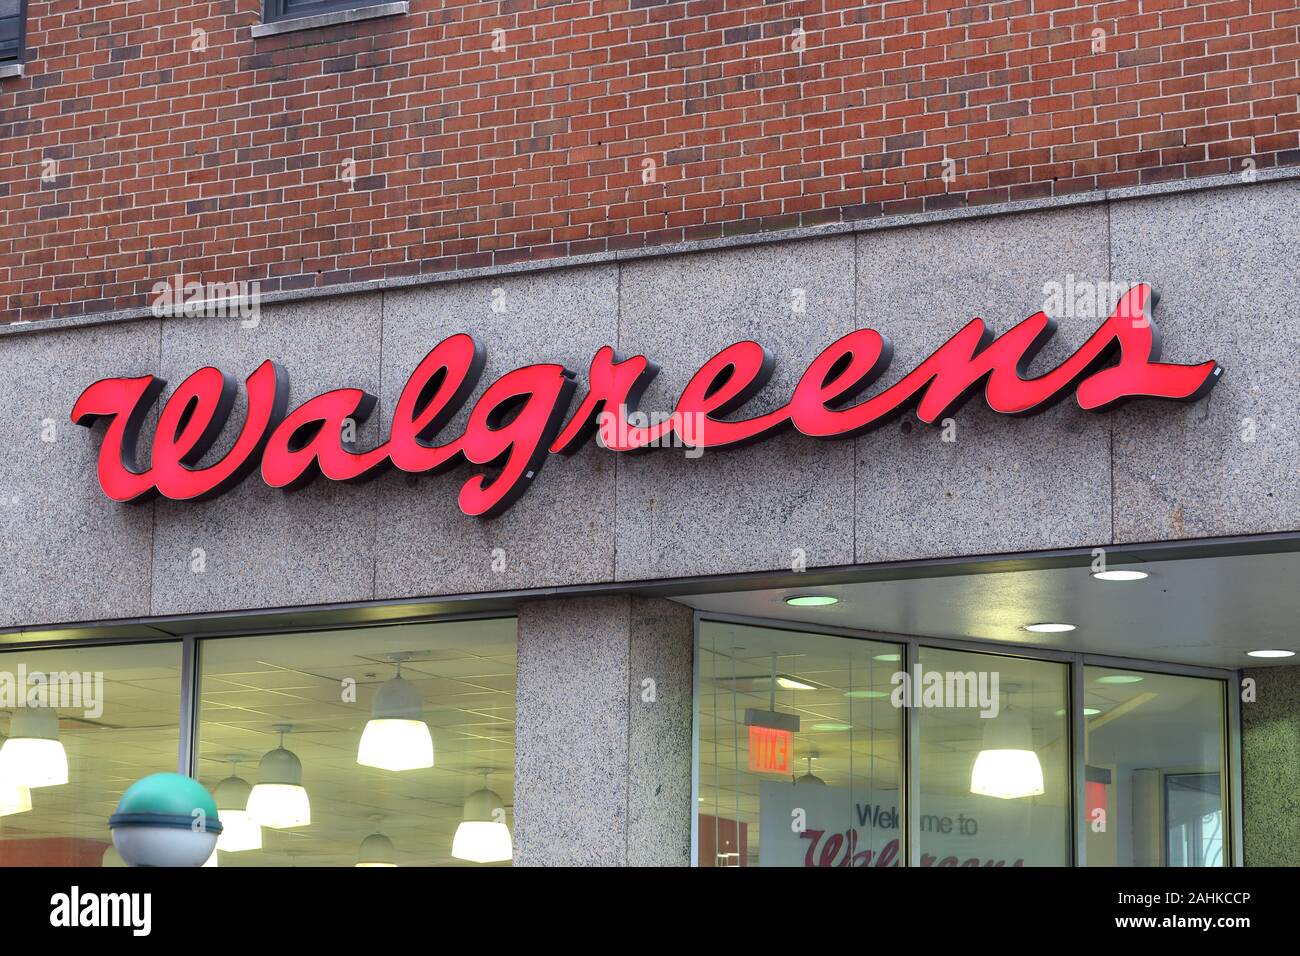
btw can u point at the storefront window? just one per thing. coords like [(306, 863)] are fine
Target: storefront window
[(802, 758), (79, 725), (362, 747), (1155, 785), (994, 760), (800, 749)]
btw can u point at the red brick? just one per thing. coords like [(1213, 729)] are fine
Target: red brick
[(229, 163)]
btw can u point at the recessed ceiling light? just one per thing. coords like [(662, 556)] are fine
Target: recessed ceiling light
[(1048, 627), (1087, 712), (1119, 679), (812, 600), (832, 727), (867, 694), (793, 683), (1120, 574), (1270, 653), (888, 658)]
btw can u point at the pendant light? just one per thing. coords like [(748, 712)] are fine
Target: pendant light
[(810, 779), (483, 836), (279, 799), (33, 756), (396, 737), (376, 849), (1007, 767), (14, 799), (239, 830)]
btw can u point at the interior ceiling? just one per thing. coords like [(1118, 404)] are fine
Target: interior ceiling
[(1204, 611), (465, 674)]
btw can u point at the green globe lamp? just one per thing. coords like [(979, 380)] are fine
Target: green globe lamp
[(166, 819)]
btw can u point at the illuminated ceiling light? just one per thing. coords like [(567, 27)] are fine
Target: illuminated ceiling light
[(832, 727), (1270, 653), (279, 800), (1120, 574), (483, 836), (396, 738), (1007, 774), (812, 600), (1048, 627), (14, 798), (376, 850), (1119, 679), (1007, 767), (793, 683), (745, 683), (866, 694), (33, 756), (240, 831), (1087, 712), (888, 658)]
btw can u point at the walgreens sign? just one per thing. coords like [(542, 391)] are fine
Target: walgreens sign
[(520, 419)]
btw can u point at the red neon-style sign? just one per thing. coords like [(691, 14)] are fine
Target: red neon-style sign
[(520, 419), (770, 749)]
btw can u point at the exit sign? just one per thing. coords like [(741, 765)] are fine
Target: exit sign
[(770, 749)]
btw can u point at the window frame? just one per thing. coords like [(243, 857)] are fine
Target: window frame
[(279, 11), (20, 56)]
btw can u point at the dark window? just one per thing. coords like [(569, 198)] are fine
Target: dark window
[(293, 9), (13, 29)]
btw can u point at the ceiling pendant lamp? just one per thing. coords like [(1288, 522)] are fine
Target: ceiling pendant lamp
[(1007, 767), (14, 798), (239, 830), (33, 756), (279, 799), (483, 836), (810, 779), (396, 737), (376, 850)]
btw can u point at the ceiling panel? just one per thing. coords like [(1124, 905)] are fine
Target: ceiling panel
[(1205, 611)]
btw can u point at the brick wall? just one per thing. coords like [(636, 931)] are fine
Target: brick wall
[(138, 149)]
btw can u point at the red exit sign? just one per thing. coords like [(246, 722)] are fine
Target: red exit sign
[(770, 749)]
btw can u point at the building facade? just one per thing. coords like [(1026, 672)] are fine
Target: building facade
[(582, 420)]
